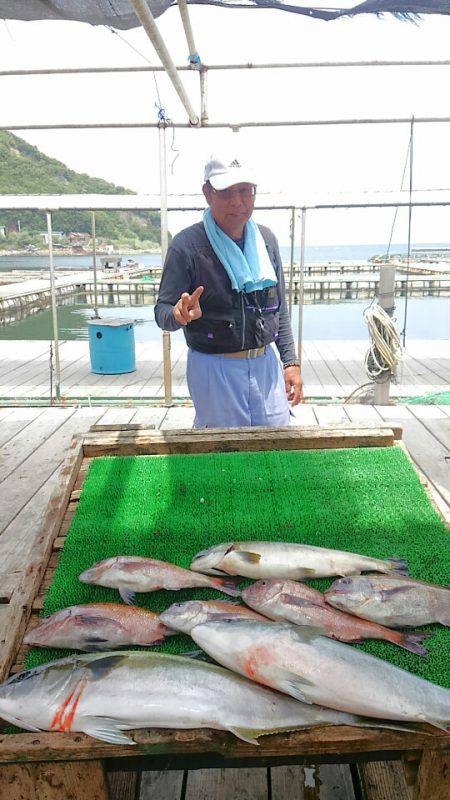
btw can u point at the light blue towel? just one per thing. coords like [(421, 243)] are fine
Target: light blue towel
[(248, 271)]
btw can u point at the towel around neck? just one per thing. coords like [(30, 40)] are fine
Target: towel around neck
[(248, 271)]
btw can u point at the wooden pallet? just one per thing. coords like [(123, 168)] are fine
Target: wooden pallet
[(40, 764)]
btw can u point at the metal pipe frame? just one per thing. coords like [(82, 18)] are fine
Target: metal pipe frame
[(147, 21), (94, 264), (212, 67), (167, 367), (235, 126), (184, 13), (291, 266), (54, 310), (301, 290)]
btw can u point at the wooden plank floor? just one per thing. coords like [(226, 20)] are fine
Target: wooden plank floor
[(331, 369), (33, 444)]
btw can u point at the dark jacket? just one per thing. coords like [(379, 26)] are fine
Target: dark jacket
[(230, 320)]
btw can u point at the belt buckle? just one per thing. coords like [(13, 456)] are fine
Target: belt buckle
[(253, 353)]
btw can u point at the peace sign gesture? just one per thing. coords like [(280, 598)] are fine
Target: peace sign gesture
[(188, 307)]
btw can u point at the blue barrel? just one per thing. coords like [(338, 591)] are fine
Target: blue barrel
[(111, 346)]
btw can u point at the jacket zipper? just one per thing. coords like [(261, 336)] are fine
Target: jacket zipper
[(243, 321)]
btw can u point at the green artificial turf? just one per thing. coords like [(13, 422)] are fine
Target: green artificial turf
[(367, 500)]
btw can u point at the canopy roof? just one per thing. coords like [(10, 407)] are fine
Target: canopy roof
[(119, 13)]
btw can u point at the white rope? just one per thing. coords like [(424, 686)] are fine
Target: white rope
[(385, 349)]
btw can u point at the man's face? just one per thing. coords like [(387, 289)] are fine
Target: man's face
[(231, 207)]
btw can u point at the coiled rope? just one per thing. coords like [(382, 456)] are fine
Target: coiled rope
[(385, 349)]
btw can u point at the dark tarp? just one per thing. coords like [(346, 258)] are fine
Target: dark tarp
[(119, 13)]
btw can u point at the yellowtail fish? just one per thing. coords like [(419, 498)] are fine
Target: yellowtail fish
[(104, 695), (391, 600), (287, 560), (303, 605), (315, 669), (131, 574), (98, 626), (184, 616)]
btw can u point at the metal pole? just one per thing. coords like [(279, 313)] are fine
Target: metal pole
[(291, 269), (54, 311), (94, 262), (301, 288), (148, 23), (203, 95), (386, 293), (167, 369), (411, 151), (182, 5)]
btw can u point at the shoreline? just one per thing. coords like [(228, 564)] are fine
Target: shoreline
[(67, 253)]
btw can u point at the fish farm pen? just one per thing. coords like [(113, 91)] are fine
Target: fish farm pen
[(311, 482)]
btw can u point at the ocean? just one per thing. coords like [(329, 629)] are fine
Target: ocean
[(359, 253)]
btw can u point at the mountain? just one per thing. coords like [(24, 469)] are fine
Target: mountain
[(25, 170)]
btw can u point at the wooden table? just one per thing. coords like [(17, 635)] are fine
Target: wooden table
[(40, 765)]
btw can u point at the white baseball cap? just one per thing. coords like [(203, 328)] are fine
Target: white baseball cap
[(222, 173)]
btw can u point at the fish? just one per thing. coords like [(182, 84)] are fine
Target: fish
[(98, 626), (104, 695), (316, 669), (131, 574), (303, 605), (391, 600), (287, 560), (183, 616)]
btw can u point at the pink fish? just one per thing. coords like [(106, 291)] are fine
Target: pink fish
[(304, 605), (98, 626), (130, 574)]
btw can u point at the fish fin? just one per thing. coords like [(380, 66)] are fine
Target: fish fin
[(248, 557), (105, 729), (291, 687), (386, 594), (228, 586), (200, 655), (305, 632), (246, 734), (128, 596), (301, 602), (306, 572), (102, 666), (19, 722), (412, 642), (399, 565), (390, 724)]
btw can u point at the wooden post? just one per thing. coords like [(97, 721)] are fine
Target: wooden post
[(433, 779), (167, 369)]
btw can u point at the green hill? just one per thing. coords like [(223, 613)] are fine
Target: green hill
[(25, 170)]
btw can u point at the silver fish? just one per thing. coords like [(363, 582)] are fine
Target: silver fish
[(184, 616), (98, 626), (286, 560), (316, 669), (303, 605), (391, 600), (130, 574), (104, 695)]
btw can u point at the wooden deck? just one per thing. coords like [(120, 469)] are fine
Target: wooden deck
[(33, 444), (331, 369)]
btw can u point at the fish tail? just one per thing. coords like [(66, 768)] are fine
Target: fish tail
[(411, 642), (227, 585), (399, 565)]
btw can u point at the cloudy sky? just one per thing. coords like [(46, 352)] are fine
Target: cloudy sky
[(307, 164)]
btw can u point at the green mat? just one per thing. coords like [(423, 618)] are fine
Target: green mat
[(368, 500)]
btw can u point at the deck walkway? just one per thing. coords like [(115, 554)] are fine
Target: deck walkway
[(331, 369), (33, 444)]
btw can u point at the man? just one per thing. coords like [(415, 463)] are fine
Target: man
[(223, 283)]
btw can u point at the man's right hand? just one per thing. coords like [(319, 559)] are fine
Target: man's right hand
[(188, 307)]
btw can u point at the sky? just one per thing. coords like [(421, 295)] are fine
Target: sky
[(298, 164)]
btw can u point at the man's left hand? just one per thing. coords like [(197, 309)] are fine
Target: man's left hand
[(294, 385)]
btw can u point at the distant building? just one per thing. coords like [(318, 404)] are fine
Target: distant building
[(44, 235), (76, 238), (2, 231)]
